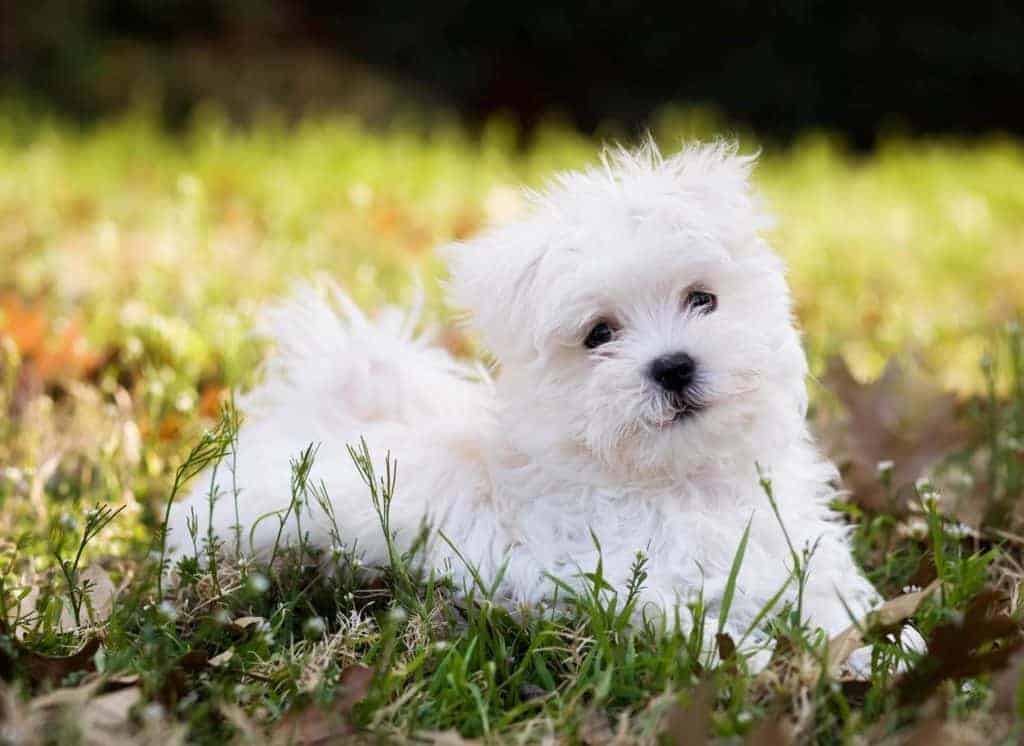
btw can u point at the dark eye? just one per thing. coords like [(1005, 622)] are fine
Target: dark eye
[(602, 333), (701, 300)]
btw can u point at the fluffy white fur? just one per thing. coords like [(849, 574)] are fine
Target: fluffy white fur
[(567, 440)]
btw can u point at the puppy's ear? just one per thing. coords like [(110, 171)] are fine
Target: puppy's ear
[(494, 277)]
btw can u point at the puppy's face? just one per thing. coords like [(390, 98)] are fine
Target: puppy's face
[(639, 317)]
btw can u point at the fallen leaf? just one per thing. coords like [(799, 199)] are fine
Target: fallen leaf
[(211, 398), (50, 353), (902, 418), (772, 731), (25, 325), (110, 683), (194, 660), (1007, 687), (244, 622), (101, 719), (312, 726), (726, 646), (222, 659), (595, 730), (888, 616), (240, 719), (175, 683), (355, 685), (107, 715), (52, 669), (690, 724), (984, 640), (927, 732)]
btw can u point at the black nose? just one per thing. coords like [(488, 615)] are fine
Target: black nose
[(674, 372)]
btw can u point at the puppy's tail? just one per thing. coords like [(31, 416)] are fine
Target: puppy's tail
[(331, 359)]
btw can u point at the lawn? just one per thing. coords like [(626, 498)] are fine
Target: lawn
[(133, 263)]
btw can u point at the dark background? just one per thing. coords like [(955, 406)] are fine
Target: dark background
[(780, 68)]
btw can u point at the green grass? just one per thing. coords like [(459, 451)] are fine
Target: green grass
[(133, 264)]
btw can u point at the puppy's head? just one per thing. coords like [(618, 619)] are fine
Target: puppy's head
[(638, 316)]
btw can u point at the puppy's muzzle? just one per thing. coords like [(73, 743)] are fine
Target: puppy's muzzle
[(675, 373)]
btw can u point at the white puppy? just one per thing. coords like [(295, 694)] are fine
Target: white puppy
[(649, 366)]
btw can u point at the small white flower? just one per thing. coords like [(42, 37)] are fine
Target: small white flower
[(959, 530), (397, 615), (185, 402), (167, 610), (314, 628), (258, 583), (152, 712), (885, 467)]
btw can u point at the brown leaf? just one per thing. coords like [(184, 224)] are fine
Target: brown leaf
[(193, 661), (889, 615), (902, 417), (983, 640), (1007, 686), (248, 730), (772, 731), (355, 685), (312, 726), (101, 718), (53, 669), (726, 646), (107, 715), (595, 730), (211, 398), (175, 684), (690, 724), (25, 325), (927, 732), (51, 353)]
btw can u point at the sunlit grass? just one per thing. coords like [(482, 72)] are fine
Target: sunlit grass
[(919, 245)]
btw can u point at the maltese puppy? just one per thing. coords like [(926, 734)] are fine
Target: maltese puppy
[(649, 393)]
